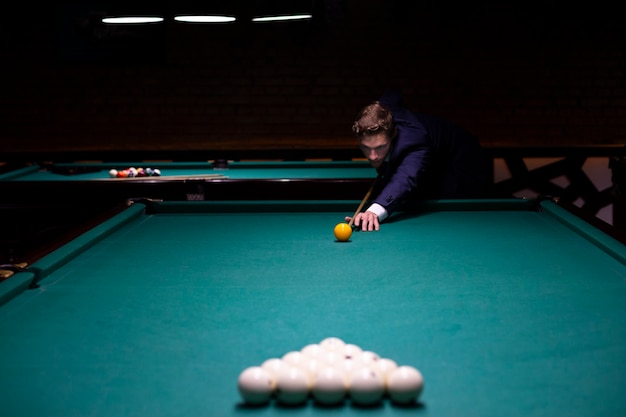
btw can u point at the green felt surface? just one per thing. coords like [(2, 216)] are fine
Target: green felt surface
[(236, 170), (505, 312)]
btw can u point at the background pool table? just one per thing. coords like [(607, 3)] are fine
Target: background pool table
[(90, 181), (507, 307), (43, 202)]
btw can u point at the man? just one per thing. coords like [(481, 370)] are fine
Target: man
[(417, 157)]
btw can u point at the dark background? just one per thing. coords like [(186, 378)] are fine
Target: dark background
[(516, 74), (519, 75)]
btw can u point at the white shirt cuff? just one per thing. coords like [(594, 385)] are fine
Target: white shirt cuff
[(378, 210)]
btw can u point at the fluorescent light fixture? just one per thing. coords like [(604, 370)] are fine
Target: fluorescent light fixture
[(123, 20), (282, 18), (204, 19)]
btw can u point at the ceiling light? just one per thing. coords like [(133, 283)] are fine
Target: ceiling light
[(132, 19), (204, 19), (282, 18)]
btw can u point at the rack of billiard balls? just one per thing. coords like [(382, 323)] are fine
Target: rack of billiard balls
[(133, 172), (330, 372)]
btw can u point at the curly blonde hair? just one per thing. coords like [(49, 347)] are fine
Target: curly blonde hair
[(374, 119)]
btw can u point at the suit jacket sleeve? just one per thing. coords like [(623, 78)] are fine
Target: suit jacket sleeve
[(404, 172), (409, 158)]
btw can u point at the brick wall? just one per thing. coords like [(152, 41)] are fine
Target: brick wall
[(527, 76)]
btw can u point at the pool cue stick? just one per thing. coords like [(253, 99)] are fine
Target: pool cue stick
[(367, 197)]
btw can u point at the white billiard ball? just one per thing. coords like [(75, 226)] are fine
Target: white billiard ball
[(294, 358), (332, 358), (367, 358), (311, 366), (351, 351), (347, 366), (293, 386), (113, 173), (256, 385), (313, 350), (366, 387), (332, 344), (329, 386), (405, 385), (275, 366), (385, 367)]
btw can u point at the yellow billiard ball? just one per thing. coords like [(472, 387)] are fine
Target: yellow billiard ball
[(343, 231)]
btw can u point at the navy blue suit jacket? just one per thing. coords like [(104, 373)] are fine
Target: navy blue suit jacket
[(430, 158)]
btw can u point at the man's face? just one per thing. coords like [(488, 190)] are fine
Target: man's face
[(375, 148)]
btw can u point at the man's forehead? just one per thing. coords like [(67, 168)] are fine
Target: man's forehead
[(373, 141)]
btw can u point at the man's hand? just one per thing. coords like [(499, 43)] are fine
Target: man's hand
[(366, 221)]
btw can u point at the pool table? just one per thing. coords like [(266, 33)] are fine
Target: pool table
[(209, 180), (38, 202), (507, 307)]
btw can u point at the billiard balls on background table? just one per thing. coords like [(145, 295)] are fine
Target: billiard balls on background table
[(132, 172)]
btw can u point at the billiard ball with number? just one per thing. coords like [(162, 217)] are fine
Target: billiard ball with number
[(256, 385), (366, 386)]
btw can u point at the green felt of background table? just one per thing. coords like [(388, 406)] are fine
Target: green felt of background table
[(506, 312), (236, 170)]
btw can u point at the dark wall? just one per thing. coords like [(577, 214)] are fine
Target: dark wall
[(515, 75)]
